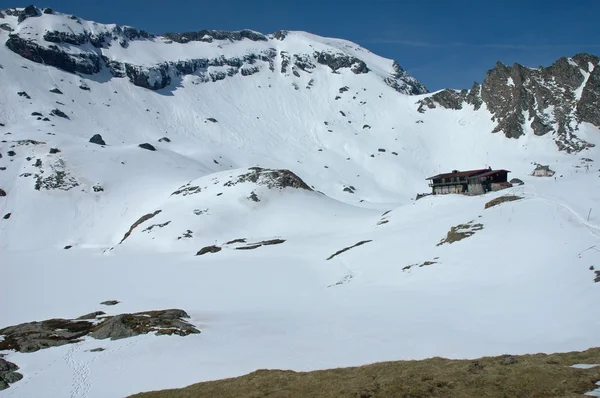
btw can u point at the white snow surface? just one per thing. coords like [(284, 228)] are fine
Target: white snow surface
[(523, 284)]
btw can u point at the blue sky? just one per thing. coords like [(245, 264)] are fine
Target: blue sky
[(443, 43)]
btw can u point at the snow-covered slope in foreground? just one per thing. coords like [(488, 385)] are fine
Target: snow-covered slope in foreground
[(355, 149)]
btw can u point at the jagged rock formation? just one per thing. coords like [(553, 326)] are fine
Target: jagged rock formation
[(85, 48), (552, 100)]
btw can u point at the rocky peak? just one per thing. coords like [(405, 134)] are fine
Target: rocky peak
[(554, 99)]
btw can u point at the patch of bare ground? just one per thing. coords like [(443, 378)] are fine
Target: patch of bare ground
[(460, 232)]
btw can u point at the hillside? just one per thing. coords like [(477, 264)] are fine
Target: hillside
[(265, 186)]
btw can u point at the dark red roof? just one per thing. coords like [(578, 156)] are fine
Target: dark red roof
[(492, 172), (467, 173)]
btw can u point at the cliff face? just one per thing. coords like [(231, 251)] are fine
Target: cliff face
[(79, 46), (551, 100)]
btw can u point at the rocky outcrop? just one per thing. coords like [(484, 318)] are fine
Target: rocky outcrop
[(552, 100), (97, 139), (8, 373), (270, 178), (402, 82), (210, 35), (337, 61), (87, 63), (35, 336), (208, 249), (141, 220)]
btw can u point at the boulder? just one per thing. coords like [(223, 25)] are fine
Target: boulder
[(97, 139), (147, 146), (208, 249)]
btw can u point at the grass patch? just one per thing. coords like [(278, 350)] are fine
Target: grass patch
[(532, 376), (502, 199), (460, 232)]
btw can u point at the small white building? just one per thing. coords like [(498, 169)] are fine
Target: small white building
[(542, 171)]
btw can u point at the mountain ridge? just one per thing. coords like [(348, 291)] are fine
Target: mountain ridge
[(85, 47)]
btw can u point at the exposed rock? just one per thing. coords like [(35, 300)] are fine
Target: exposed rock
[(56, 91), (6, 27), (141, 220), (516, 181), (7, 215), (402, 82), (23, 94), (110, 302), (231, 242), (98, 188), (212, 119), (59, 178), (33, 336), (97, 139), (348, 248), (147, 146), (280, 34), (449, 99), (29, 11), (187, 189), (86, 63), (8, 373), (271, 179), (256, 245), (59, 113), (164, 139), (67, 247), (92, 315), (215, 35), (208, 249), (11, 153), (2, 192), (54, 151), (253, 197), (543, 99), (337, 61), (151, 227), (99, 349)]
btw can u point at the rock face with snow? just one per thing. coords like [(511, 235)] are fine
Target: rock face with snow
[(277, 209), (551, 100), (79, 46)]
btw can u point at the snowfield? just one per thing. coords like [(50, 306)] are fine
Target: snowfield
[(522, 283)]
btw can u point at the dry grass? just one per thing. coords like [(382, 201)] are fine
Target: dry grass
[(501, 199), (460, 232), (532, 376)]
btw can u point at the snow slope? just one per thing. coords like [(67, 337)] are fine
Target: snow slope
[(521, 284)]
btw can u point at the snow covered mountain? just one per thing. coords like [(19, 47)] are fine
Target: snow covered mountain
[(266, 185)]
